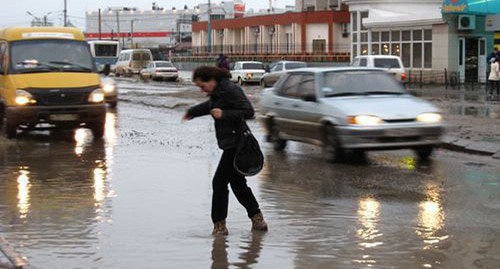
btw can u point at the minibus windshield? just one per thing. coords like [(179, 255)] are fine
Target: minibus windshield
[(40, 55)]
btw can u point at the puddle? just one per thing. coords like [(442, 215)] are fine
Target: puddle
[(480, 111)]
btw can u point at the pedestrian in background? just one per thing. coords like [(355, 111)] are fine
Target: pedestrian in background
[(494, 77), (223, 62), (229, 107)]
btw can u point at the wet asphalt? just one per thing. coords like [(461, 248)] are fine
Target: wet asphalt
[(141, 199)]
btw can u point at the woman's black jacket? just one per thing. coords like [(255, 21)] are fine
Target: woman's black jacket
[(235, 106)]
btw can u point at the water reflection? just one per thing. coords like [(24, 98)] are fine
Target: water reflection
[(431, 216), (59, 188), (248, 257), (23, 192), (369, 216)]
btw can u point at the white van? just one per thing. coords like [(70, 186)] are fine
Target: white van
[(389, 63), (132, 61)]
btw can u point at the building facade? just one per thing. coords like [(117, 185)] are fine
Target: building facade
[(428, 36), (293, 33)]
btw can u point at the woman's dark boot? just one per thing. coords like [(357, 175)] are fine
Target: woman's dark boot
[(258, 222), (220, 228)]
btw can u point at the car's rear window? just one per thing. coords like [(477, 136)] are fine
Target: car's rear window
[(295, 65), (359, 82), (164, 65), (253, 66), (386, 63), (141, 56)]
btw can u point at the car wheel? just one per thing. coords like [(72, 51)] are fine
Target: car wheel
[(113, 104), (274, 137), (262, 83), (128, 73), (10, 130), (332, 150), (240, 81), (97, 130), (424, 152)]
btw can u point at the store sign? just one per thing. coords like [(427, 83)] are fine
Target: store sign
[(454, 6), (492, 23)]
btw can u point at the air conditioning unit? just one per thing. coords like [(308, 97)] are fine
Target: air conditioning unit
[(466, 22)]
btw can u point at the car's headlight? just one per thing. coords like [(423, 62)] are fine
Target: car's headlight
[(430, 117), (108, 88), (365, 120), (23, 98), (97, 96)]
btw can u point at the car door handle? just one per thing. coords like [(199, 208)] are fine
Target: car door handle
[(296, 105), (277, 103)]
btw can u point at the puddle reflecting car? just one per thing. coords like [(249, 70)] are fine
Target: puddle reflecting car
[(277, 70), (160, 70), (247, 71), (348, 110)]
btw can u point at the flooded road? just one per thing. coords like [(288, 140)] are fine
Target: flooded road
[(141, 199)]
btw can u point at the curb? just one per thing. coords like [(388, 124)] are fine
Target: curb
[(469, 146)]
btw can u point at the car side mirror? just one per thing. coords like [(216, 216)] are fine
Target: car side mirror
[(309, 98)]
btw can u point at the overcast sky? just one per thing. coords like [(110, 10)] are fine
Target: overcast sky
[(14, 11)]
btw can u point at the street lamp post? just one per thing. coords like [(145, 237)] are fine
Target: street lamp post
[(132, 32), (209, 30)]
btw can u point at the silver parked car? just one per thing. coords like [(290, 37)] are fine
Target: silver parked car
[(160, 70), (348, 110), (278, 69)]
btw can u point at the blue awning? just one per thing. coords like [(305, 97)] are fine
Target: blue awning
[(481, 7)]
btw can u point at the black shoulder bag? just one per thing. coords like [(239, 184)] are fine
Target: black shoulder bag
[(248, 159)]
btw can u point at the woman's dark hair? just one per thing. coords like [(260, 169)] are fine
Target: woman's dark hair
[(206, 73)]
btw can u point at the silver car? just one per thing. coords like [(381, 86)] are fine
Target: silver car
[(348, 110), (160, 70), (277, 70)]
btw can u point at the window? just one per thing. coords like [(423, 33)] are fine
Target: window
[(363, 15), (428, 55), (363, 62), (385, 36), (375, 36), (306, 87), (428, 35), (406, 35), (375, 49), (277, 67), (395, 36), (417, 55), (3, 49), (406, 54), (291, 86), (417, 35), (354, 16)]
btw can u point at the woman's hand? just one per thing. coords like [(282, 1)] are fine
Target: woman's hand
[(216, 113)]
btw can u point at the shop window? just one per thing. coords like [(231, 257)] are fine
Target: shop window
[(354, 16), (385, 36), (417, 35), (428, 35), (364, 37), (417, 55), (354, 37), (385, 49), (363, 15), (395, 49), (354, 51), (375, 49), (375, 36), (406, 54), (364, 49), (395, 36), (428, 55), (406, 35)]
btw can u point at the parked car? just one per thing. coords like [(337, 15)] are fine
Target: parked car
[(108, 85), (247, 71), (160, 70), (132, 61), (278, 69), (389, 63), (348, 109)]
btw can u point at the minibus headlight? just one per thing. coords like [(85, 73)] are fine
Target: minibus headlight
[(97, 96), (108, 88), (24, 98)]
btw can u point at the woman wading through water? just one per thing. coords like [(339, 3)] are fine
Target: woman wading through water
[(229, 107)]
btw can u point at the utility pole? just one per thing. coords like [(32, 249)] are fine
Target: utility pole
[(118, 27), (209, 30), (65, 14), (132, 32), (99, 23)]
